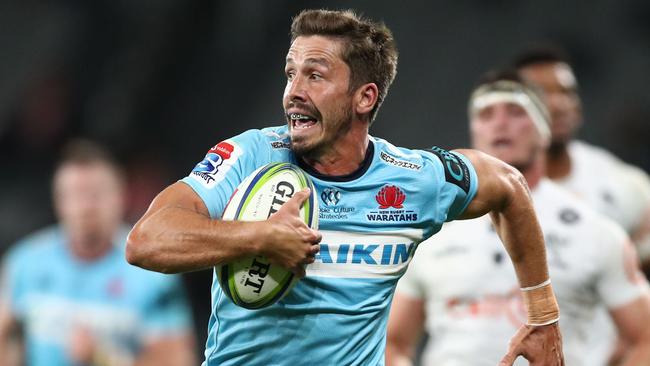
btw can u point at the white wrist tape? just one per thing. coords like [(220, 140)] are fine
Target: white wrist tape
[(541, 304)]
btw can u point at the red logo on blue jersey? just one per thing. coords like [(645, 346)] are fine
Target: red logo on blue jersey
[(390, 196), (223, 149)]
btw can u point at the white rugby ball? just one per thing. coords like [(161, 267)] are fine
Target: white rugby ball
[(253, 282)]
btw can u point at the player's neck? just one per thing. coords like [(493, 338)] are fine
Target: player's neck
[(558, 161), (346, 156), (535, 171)]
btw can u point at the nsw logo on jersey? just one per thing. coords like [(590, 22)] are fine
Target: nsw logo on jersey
[(390, 196), (216, 163), (390, 199)]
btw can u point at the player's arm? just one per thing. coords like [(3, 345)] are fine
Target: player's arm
[(624, 289), (641, 237), (633, 324), (176, 234), (504, 194), (635, 184), (405, 326), (11, 338), (10, 344)]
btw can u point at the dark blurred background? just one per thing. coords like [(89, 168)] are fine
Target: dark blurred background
[(161, 81)]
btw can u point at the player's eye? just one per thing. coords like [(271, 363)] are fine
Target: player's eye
[(515, 110), (485, 114)]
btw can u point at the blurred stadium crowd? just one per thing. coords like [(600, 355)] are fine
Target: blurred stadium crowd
[(159, 82)]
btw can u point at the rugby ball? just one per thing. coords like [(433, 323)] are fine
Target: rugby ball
[(253, 282)]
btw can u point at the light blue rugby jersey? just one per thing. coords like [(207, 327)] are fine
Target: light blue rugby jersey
[(371, 221), (51, 292)]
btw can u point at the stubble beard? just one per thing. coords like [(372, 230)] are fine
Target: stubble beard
[(331, 133)]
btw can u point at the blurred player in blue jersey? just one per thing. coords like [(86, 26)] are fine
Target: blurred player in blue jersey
[(71, 295), (378, 203)]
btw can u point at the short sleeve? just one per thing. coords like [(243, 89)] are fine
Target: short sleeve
[(460, 181), (632, 196), (167, 311), (225, 165), (620, 280)]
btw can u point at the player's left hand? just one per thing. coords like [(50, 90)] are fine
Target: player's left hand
[(540, 345), (81, 348)]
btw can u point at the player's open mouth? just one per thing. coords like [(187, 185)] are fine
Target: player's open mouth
[(502, 142), (301, 121)]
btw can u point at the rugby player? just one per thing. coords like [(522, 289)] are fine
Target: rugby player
[(621, 191), (384, 201), (461, 288), (616, 189), (69, 295)]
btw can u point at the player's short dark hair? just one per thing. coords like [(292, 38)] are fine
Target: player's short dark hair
[(368, 48), (540, 54), (87, 152), (507, 74)]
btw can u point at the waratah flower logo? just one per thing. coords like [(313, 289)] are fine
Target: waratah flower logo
[(390, 196)]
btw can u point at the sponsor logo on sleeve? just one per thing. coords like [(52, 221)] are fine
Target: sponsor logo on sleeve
[(456, 171), (280, 145), (217, 162), (223, 149)]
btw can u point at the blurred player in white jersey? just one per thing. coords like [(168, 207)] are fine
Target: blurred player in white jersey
[(616, 189), (459, 286)]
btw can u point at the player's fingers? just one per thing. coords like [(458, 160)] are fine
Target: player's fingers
[(317, 237), (299, 271), (513, 351), (314, 249), (309, 260), (294, 203), (508, 359)]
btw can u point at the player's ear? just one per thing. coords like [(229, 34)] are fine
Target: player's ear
[(365, 98)]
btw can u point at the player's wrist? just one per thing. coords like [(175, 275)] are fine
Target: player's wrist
[(541, 305), (262, 234)]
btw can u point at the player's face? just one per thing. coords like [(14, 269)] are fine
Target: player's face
[(317, 100), (506, 131), (559, 85), (89, 201)]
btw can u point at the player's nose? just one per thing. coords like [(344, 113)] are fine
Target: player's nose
[(296, 90)]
